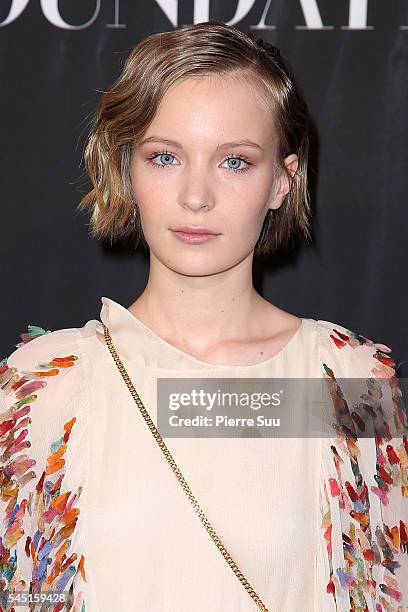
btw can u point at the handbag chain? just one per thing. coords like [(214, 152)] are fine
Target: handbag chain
[(179, 475)]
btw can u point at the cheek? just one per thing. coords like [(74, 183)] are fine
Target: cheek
[(150, 197), (145, 184), (245, 213), (152, 212)]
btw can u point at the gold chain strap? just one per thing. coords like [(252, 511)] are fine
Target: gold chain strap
[(180, 477)]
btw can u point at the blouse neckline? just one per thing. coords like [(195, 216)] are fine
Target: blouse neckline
[(133, 339)]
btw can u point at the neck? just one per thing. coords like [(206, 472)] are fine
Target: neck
[(200, 312)]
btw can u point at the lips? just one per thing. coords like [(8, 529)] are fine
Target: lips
[(194, 235), (195, 230)]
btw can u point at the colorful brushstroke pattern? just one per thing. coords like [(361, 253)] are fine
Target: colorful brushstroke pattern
[(366, 545), (50, 510)]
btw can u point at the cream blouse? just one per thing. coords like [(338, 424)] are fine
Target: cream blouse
[(90, 506)]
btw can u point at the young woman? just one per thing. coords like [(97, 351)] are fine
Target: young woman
[(200, 151)]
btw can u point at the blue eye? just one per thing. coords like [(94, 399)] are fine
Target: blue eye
[(166, 160), (162, 154), (239, 158)]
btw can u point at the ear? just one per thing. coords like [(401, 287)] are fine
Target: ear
[(283, 182)]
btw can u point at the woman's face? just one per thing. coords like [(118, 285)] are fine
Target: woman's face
[(199, 180)]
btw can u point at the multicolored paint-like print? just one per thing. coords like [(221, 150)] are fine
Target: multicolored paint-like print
[(51, 510), (366, 544)]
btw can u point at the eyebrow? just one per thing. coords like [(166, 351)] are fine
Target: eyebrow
[(239, 143)]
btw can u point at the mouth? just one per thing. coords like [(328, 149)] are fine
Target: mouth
[(194, 235), (195, 230)]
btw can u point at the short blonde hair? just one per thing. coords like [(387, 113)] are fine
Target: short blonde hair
[(126, 110)]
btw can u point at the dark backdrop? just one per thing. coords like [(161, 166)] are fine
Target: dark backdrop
[(350, 59)]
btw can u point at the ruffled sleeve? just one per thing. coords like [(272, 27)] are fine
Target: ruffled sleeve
[(364, 479), (40, 503)]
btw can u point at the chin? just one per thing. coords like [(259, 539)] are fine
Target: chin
[(187, 268), (200, 266)]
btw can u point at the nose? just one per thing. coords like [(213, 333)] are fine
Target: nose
[(196, 194), (195, 205)]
